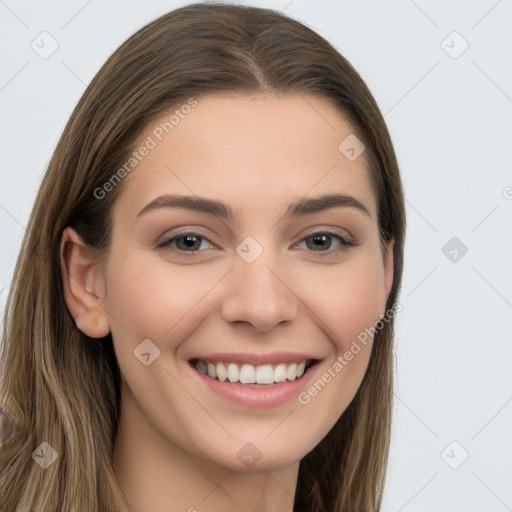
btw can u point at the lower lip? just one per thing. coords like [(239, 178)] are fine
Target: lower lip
[(260, 397)]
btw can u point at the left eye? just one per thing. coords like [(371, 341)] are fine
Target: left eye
[(321, 239)]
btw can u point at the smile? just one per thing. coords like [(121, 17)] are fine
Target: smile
[(264, 374)]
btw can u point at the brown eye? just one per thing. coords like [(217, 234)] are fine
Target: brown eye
[(184, 242), (189, 242), (321, 241), (318, 241)]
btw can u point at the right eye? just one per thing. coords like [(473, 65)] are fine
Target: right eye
[(187, 241)]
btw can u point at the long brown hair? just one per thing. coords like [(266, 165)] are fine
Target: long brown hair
[(63, 388)]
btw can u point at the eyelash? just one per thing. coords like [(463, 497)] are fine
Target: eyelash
[(344, 243)]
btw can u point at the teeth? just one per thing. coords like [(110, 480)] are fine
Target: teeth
[(201, 366), (222, 372), (233, 373), (249, 374), (211, 370), (280, 373), (291, 371)]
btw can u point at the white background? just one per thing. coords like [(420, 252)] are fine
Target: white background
[(451, 123)]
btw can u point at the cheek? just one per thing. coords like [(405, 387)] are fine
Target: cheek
[(155, 300), (350, 299)]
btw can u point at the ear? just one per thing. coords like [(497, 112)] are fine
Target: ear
[(83, 285)]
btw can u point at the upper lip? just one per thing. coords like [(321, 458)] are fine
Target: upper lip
[(256, 359)]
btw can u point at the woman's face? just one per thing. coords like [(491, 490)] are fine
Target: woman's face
[(188, 283)]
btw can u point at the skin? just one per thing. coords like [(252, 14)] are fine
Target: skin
[(177, 444)]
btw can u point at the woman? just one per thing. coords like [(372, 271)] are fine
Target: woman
[(201, 315)]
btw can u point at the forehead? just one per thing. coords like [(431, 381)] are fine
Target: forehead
[(256, 153)]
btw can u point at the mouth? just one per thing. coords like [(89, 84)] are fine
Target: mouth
[(244, 374)]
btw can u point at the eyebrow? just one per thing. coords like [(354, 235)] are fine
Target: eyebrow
[(304, 206)]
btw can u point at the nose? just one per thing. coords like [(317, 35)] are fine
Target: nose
[(257, 294)]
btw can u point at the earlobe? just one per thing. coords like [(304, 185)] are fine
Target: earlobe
[(82, 282)]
